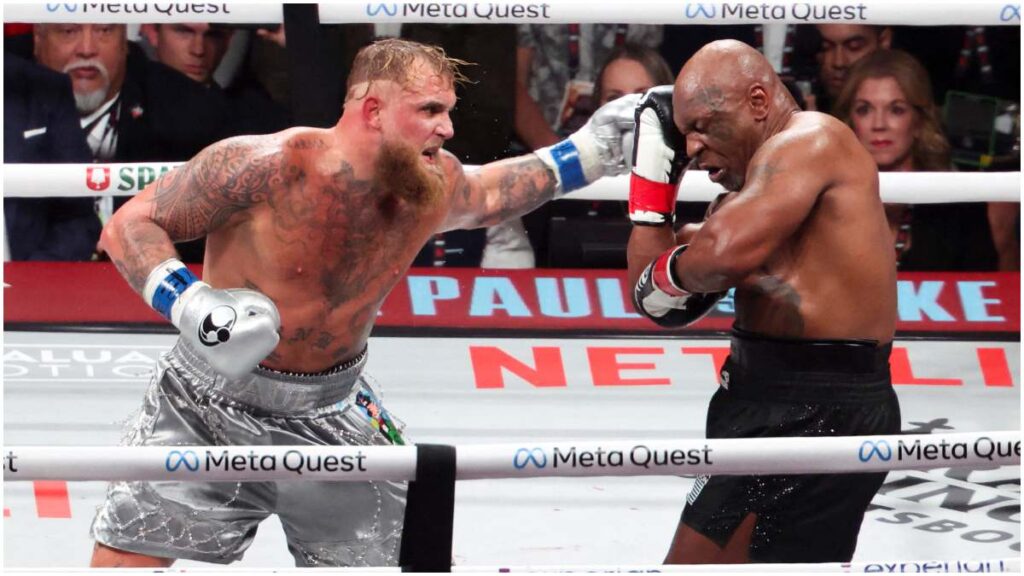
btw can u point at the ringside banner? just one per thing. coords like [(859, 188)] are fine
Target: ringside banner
[(499, 300)]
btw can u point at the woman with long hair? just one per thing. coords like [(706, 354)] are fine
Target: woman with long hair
[(887, 100)]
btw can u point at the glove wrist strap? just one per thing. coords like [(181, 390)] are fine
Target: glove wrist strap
[(575, 161), (165, 286), (664, 275), (651, 203)]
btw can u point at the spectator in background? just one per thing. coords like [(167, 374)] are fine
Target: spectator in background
[(840, 47), (887, 100), (593, 234), (983, 61), (630, 69), (556, 65), (41, 125), (197, 49), (194, 49), (132, 109)]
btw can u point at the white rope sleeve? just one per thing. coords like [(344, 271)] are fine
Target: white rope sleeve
[(42, 180), (524, 460), (143, 12), (978, 565), (907, 12)]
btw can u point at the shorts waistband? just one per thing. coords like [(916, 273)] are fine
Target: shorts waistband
[(768, 355), (271, 390)]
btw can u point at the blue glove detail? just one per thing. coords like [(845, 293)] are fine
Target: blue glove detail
[(170, 288)]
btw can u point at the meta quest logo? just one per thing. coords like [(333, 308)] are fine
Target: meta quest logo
[(640, 455), (293, 461), (982, 447)]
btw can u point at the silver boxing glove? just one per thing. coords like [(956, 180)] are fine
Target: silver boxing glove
[(595, 150), (232, 330)]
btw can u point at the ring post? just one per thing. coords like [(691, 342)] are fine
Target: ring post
[(430, 511)]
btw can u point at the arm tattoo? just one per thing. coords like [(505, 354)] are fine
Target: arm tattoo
[(223, 179), (764, 172), (524, 185), (301, 334), (148, 247)]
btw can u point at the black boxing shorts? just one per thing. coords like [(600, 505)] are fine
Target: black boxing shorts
[(773, 387)]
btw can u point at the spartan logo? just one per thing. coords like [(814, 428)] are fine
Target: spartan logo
[(216, 327), (97, 177)]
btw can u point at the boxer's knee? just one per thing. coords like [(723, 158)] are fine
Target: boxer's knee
[(107, 557)]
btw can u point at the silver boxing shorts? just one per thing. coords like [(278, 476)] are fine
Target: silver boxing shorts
[(325, 523)]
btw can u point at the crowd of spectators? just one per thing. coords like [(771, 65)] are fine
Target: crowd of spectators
[(79, 93)]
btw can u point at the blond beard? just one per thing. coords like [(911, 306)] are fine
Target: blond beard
[(401, 177)]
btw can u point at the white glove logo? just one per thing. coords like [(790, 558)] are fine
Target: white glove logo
[(216, 327)]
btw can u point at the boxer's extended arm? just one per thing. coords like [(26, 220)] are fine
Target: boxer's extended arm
[(786, 177), (188, 202), (501, 190)]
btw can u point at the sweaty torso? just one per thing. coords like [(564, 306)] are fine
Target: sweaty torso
[(835, 277), (326, 246)]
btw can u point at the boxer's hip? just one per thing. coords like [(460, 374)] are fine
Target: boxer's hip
[(806, 370), (265, 390)]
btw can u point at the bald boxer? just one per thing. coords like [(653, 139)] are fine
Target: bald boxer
[(307, 232), (801, 235)]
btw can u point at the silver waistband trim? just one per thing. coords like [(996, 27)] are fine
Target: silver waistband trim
[(270, 390)]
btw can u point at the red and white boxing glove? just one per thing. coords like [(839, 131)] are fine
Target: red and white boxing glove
[(659, 160), (659, 296)]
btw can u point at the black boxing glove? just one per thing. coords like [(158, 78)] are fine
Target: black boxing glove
[(659, 160), (659, 296)]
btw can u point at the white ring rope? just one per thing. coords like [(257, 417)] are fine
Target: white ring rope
[(954, 566), (905, 12), (43, 180), (993, 565), (812, 455)]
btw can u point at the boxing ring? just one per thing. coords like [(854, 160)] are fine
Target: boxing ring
[(569, 430)]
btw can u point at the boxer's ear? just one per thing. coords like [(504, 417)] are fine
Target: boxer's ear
[(371, 108), (759, 101)]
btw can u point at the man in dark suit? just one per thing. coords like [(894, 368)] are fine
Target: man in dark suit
[(41, 125), (132, 109), (196, 49)]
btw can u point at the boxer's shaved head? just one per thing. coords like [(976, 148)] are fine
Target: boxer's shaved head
[(727, 101), (724, 72)]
